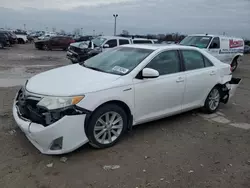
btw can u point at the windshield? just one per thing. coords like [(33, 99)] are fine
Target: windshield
[(98, 41), (197, 41), (120, 60)]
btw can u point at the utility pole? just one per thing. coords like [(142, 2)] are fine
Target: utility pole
[(115, 16), (93, 32)]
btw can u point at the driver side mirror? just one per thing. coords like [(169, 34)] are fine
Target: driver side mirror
[(105, 46), (150, 73)]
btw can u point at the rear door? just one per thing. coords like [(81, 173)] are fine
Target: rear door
[(201, 77)]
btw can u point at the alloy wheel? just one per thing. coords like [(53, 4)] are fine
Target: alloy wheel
[(214, 99), (108, 127)]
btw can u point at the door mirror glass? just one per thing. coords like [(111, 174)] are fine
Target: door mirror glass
[(150, 73), (105, 46)]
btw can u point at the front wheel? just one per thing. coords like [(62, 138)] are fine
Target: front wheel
[(46, 47), (106, 126), (213, 100)]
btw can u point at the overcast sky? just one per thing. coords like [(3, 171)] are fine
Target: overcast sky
[(136, 16)]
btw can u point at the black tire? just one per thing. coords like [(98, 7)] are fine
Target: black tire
[(234, 64), (93, 121), (207, 107)]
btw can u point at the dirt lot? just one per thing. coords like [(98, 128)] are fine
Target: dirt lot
[(189, 150)]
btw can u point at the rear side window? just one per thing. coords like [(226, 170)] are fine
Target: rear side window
[(207, 62), (123, 41), (215, 44), (193, 60), (142, 42)]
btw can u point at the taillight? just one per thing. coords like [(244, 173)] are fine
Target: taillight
[(72, 41)]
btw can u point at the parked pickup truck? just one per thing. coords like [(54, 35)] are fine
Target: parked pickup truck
[(81, 51)]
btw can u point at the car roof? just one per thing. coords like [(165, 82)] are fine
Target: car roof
[(222, 36), (160, 46), (141, 39), (114, 37)]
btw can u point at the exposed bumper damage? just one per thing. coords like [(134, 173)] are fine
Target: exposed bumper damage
[(51, 132), (229, 88)]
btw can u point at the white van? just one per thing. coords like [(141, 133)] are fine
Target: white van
[(226, 49)]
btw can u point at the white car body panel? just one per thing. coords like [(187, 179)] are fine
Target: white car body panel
[(147, 99)]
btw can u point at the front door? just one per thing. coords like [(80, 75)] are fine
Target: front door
[(214, 48), (162, 96)]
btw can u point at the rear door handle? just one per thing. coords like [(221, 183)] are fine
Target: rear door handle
[(180, 79), (212, 73)]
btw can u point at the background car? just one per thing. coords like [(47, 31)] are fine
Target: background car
[(4, 40), (247, 49), (57, 42), (11, 36)]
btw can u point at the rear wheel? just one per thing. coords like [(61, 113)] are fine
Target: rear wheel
[(106, 126), (234, 64), (213, 100)]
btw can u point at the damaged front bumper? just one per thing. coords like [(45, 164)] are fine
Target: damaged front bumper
[(229, 88), (51, 136)]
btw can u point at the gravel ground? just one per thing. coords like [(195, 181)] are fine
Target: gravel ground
[(191, 150)]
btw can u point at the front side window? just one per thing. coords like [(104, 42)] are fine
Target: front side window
[(123, 41), (197, 41), (112, 43), (215, 44), (119, 60), (166, 63), (192, 60)]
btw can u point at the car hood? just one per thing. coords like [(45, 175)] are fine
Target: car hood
[(69, 81)]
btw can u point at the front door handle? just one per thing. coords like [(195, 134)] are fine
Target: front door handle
[(212, 73), (180, 79)]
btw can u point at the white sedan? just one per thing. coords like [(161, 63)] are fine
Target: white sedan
[(98, 100)]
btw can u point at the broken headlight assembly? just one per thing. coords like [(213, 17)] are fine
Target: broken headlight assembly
[(53, 103)]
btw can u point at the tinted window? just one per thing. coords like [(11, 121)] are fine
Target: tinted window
[(112, 43), (123, 41), (166, 63), (142, 42), (215, 44), (192, 59), (207, 62)]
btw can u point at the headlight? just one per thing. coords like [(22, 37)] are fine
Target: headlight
[(52, 103)]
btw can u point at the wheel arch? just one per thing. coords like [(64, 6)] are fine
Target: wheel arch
[(119, 103), (236, 57)]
